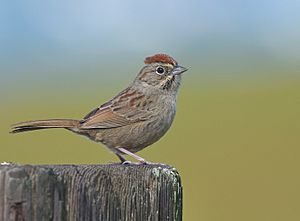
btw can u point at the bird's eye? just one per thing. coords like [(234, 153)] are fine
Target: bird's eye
[(160, 70)]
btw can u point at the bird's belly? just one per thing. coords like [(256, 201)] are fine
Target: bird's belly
[(137, 136)]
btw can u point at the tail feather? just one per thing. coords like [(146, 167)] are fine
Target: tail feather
[(43, 124)]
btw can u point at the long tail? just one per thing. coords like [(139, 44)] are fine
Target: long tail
[(44, 124)]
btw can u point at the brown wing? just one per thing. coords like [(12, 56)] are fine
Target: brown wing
[(126, 108)]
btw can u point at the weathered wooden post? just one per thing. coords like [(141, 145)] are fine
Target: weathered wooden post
[(89, 192)]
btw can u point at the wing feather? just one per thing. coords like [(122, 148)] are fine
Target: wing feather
[(126, 108)]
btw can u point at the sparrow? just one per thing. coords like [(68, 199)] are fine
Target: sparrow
[(135, 118)]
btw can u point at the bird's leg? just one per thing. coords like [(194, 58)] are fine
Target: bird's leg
[(120, 157), (123, 160), (140, 159)]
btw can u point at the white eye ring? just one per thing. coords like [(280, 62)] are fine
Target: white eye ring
[(160, 70)]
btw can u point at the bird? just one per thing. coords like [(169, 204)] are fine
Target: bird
[(135, 118)]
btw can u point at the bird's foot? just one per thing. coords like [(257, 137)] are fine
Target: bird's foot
[(143, 162), (127, 162)]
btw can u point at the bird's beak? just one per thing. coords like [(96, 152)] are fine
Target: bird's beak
[(178, 70)]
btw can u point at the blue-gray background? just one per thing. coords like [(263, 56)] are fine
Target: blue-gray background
[(235, 139)]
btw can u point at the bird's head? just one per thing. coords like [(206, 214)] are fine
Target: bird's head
[(161, 72)]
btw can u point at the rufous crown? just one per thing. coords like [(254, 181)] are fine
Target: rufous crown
[(164, 58)]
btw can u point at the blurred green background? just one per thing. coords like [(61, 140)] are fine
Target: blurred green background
[(235, 139)]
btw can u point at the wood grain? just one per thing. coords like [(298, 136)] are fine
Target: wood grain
[(89, 192)]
